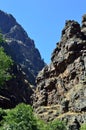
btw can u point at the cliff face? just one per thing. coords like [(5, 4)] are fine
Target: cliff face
[(16, 90), (61, 86), (20, 47)]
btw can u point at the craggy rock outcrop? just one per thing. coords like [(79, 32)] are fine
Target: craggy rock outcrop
[(20, 47), (16, 90), (63, 81)]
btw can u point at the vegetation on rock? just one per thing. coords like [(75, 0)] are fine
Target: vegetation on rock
[(83, 127), (5, 64), (1, 38), (62, 82), (22, 117), (57, 125), (20, 46), (61, 86)]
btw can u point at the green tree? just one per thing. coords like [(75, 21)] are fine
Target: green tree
[(5, 63), (57, 125), (83, 127), (20, 118), (2, 114), (1, 38), (42, 125)]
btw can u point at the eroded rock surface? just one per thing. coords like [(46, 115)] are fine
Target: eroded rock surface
[(16, 90), (20, 46), (63, 81)]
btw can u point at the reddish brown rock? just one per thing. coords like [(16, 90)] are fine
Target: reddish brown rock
[(63, 81)]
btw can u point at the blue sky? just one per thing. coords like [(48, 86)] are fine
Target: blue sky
[(44, 20)]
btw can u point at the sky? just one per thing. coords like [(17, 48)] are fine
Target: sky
[(43, 20)]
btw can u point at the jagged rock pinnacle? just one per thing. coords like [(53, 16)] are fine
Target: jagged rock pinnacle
[(60, 83)]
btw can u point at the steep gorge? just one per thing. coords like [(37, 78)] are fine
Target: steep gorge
[(27, 62), (60, 91)]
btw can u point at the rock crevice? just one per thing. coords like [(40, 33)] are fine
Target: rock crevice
[(62, 82)]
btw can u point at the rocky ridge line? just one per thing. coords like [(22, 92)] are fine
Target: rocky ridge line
[(63, 82), (20, 47)]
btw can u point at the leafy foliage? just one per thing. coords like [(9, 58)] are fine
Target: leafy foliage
[(2, 114), (5, 63), (1, 38), (83, 127), (41, 125), (22, 117), (57, 125)]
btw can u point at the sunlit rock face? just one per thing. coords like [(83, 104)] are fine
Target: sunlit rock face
[(20, 47), (63, 82)]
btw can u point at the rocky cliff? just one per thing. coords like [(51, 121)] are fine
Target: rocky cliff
[(16, 90), (20, 47), (61, 86)]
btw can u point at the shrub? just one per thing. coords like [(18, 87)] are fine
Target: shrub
[(1, 38), (5, 63), (2, 114), (57, 125), (83, 127), (41, 125), (20, 118)]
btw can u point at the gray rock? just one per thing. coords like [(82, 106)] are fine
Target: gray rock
[(64, 80), (20, 47)]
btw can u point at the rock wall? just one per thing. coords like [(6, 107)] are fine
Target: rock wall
[(63, 81), (20, 47), (16, 90)]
